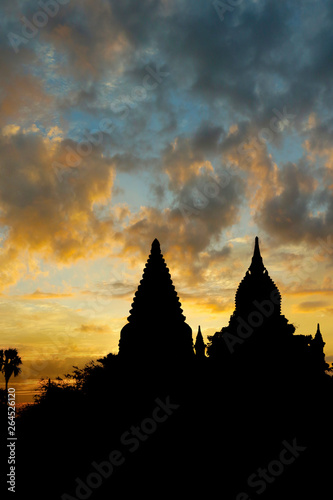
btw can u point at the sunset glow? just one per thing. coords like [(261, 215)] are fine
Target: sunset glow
[(119, 125)]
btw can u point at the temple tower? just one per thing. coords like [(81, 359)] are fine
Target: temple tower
[(256, 326), (256, 287), (199, 346), (317, 357), (156, 330)]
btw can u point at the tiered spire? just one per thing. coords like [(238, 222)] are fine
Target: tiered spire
[(156, 326), (318, 362), (199, 345), (257, 265), (318, 338), (156, 298)]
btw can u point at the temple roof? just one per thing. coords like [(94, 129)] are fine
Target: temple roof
[(156, 328), (199, 337), (257, 265), (318, 338), (256, 284), (156, 298)]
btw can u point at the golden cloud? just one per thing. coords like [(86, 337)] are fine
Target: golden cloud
[(311, 306), (91, 328), (51, 210), (37, 295), (181, 163)]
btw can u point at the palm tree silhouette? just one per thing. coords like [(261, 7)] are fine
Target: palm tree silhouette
[(9, 363)]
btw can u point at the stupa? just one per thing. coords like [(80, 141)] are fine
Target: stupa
[(156, 330), (257, 320)]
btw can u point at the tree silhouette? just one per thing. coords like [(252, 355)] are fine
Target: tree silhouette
[(9, 363)]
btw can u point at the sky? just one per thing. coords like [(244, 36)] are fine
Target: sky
[(202, 124)]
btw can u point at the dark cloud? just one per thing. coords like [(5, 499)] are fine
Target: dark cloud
[(207, 138), (250, 61), (91, 328), (312, 305), (296, 209), (158, 191)]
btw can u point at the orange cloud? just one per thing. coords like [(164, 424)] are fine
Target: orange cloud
[(181, 163), (89, 52), (50, 212), (45, 295), (305, 291), (90, 328), (208, 305), (310, 306)]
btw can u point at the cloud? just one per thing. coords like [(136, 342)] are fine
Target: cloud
[(181, 163), (37, 294), (207, 137), (91, 328), (208, 305), (311, 306), (10, 129), (182, 241), (245, 62), (297, 209), (49, 210), (113, 288)]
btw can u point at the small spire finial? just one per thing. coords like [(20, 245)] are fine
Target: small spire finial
[(318, 333), (318, 338), (199, 345), (257, 263), (155, 247)]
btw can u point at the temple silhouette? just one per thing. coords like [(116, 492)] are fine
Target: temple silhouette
[(255, 384), (257, 337), (156, 328)]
